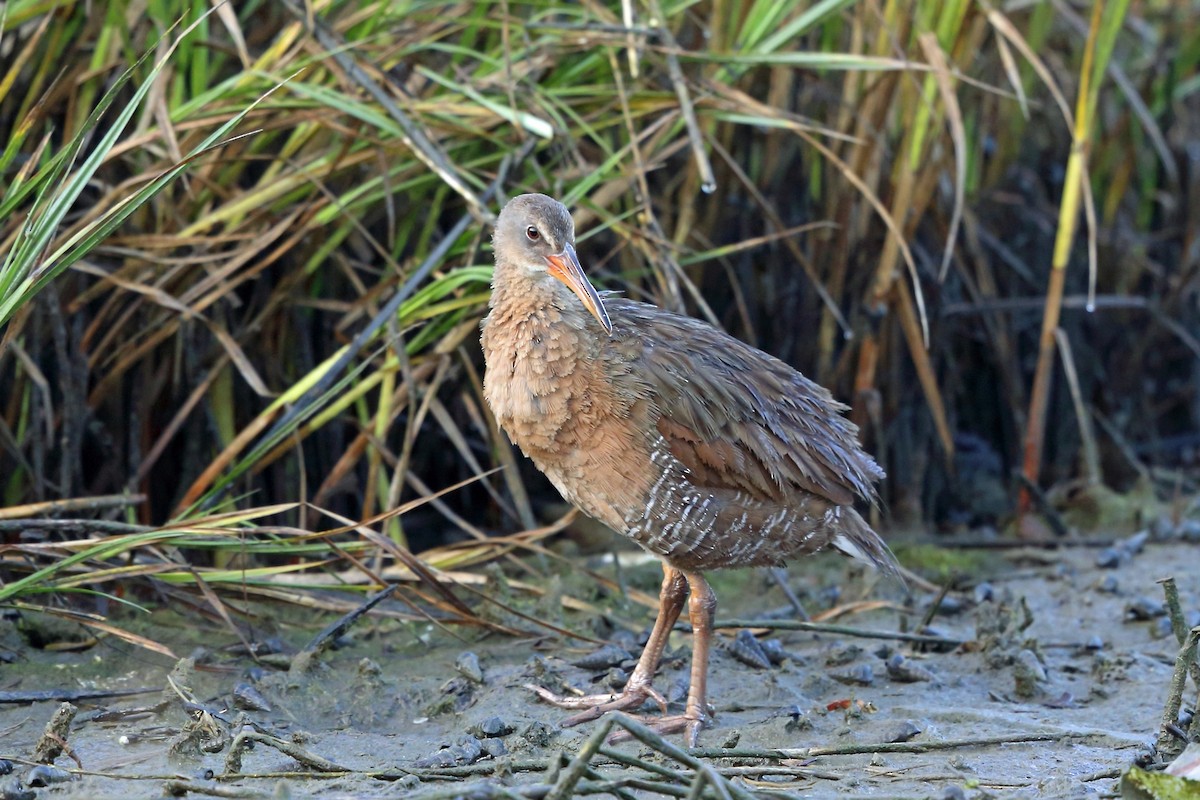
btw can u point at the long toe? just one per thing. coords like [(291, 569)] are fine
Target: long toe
[(595, 706), (689, 726)]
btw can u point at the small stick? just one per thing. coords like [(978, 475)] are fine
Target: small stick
[(1091, 455), (233, 761), (1178, 623), (1093, 542), (1043, 505), (72, 504), (933, 608), (780, 577), (883, 747), (342, 624), (708, 182), (180, 787), (1168, 743), (821, 627), (573, 773), (633, 761), (1171, 594), (648, 737), (70, 695), (1194, 730)]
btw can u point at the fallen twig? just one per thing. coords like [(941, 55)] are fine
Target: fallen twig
[(1170, 743), (820, 627), (70, 695), (883, 747), (233, 760), (72, 504), (180, 787), (339, 626)]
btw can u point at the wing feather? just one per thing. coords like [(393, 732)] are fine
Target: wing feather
[(738, 418)]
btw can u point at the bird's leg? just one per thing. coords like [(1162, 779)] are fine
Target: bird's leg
[(702, 609), (638, 688)]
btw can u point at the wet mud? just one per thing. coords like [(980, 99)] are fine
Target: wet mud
[(1058, 684)]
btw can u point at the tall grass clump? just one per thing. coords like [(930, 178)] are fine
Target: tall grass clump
[(204, 223)]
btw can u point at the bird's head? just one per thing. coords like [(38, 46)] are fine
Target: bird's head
[(535, 234)]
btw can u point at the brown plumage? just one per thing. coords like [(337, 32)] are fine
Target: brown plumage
[(705, 451)]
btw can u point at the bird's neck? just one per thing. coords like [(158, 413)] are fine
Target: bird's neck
[(533, 305)]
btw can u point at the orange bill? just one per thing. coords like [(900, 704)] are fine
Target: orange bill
[(565, 266)]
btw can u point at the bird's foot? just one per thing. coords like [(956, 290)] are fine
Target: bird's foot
[(689, 724), (597, 705)]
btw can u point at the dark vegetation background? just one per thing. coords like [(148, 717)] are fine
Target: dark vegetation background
[(155, 364)]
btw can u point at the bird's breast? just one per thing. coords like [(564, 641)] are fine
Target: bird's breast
[(549, 389)]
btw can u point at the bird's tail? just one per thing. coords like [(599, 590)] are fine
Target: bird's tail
[(855, 538)]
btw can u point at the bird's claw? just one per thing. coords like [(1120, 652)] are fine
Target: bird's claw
[(597, 705)]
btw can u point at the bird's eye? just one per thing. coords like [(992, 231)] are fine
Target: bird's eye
[(533, 233)]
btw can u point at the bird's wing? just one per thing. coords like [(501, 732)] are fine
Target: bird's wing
[(738, 418)]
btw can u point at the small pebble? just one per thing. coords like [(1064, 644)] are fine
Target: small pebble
[(1094, 643), (1162, 528), (247, 698), (256, 673), (677, 692), (467, 751), (1122, 551), (467, 665), (1064, 700), (15, 791), (494, 747), (6, 766), (950, 605), (1189, 530), (1136, 543), (857, 675), (777, 655), (747, 649), (1143, 608), (1109, 585), (616, 678), (905, 670), (984, 592), (954, 793), (46, 775), (491, 728), (626, 640), (840, 654), (607, 656), (902, 732)]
